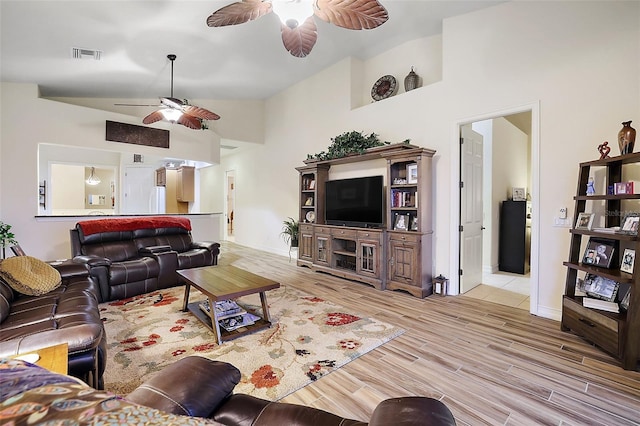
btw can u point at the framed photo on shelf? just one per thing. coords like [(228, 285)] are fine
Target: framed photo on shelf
[(585, 221), (599, 253), (600, 287), (401, 222), (628, 260), (624, 303), (312, 184), (412, 173), (518, 194), (309, 201), (630, 223), (414, 223)]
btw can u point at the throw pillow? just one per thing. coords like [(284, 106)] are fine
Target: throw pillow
[(30, 276)]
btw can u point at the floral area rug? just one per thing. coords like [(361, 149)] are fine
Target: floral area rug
[(309, 338)]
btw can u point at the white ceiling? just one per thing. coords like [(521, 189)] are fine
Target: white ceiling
[(246, 61)]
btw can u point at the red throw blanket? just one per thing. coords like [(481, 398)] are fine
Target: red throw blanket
[(131, 224)]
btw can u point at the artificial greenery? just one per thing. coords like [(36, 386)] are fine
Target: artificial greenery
[(290, 231), (348, 143), (6, 237)]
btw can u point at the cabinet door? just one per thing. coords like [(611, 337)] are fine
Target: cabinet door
[(305, 250), (323, 252), (368, 258), (185, 185), (404, 261)]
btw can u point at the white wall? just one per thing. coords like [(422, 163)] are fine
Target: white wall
[(577, 60), (50, 122)]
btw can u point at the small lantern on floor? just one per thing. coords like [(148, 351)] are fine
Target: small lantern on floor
[(440, 285)]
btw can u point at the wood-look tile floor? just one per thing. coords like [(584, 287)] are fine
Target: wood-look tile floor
[(491, 364)]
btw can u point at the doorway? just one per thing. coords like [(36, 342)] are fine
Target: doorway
[(497, 153), (230, 201)]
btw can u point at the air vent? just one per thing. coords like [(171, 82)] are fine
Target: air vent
[(78, 53), (227, 147)]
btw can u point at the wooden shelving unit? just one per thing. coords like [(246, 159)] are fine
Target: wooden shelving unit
[(616, 333)]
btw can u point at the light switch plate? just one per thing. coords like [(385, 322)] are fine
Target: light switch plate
[(563, 213)]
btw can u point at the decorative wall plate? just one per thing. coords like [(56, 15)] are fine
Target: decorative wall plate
[(383, 88), (310, 216)]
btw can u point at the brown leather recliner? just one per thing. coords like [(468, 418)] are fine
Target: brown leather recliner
[(132, 256), (197, 386), (69, 314)]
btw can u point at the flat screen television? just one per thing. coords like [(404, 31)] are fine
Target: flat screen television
[(357, 202)]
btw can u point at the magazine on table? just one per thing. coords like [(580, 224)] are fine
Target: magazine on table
[(224, 309), (238, 321)]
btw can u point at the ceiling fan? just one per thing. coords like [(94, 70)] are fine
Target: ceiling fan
[(178, 111), (299, 31)]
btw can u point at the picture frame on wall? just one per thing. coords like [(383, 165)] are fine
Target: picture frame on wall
[(585, 221), (628, 260), (599, 252), (412, 173)]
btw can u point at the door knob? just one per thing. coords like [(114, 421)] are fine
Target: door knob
[(482, 228)]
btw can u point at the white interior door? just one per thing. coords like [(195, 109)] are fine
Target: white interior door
[(137, 185), (230, 201), (471, 214)]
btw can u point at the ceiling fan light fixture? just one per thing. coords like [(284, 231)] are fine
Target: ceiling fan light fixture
[(171, 115), (93, 179), (292, 13)]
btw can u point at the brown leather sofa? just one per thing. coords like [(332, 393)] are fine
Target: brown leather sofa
[(193, 391), (205, 389), (132, 256), (69, 314)]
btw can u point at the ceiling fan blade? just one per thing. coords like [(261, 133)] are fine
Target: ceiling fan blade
[(138, 105), (190, 121), (239, 13), (300, 40), (199, 112), (352, 14), (153, 117), (174, 103)]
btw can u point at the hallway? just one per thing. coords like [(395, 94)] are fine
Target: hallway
[(503, 288)]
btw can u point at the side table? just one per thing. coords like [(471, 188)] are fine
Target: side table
[(53, 358)]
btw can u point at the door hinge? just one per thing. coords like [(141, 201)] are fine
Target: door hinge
[(461, 140), (460, 273), (461, 184), (461, 228)]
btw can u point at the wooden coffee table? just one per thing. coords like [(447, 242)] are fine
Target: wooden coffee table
[(225, 283)]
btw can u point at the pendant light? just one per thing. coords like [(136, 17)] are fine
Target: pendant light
[(93, 179)]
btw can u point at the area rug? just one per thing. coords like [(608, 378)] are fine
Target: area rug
[(309, 339)]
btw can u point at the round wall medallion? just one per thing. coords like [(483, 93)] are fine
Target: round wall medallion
[(383, 88)]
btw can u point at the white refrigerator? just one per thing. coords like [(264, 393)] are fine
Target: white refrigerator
[(157, 200)]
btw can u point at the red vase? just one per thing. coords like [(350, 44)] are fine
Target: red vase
[(626, 138)]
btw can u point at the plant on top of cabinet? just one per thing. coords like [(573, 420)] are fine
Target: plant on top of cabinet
[(349, 143)]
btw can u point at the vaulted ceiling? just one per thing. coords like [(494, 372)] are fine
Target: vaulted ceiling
[(245, 61)]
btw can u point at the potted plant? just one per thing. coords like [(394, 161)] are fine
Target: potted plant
[(290, 232), (7, 238), (348, 143)]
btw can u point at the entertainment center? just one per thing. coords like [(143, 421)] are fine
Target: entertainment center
[(373, 229)]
